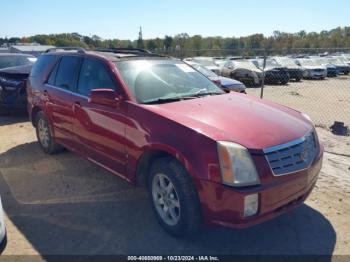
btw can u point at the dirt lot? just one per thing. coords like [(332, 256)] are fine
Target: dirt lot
[(324, 100), (63, 204)]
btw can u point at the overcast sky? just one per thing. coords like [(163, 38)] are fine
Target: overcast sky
[(121, 19)]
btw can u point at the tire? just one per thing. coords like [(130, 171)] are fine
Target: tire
[(298, 79), (44, 135), (183, 216)]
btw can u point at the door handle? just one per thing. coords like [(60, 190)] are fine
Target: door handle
[(76, 105), (45, 95)]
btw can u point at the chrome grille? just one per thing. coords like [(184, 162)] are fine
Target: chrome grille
[(293, 156)]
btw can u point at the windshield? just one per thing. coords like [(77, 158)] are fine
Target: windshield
[(307, 62), (244, 64), (15, 60), (285, 61), (152, 81), (204, 62), (269, 63), (204, 71), (320, 61)]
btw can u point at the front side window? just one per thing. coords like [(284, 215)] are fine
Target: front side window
[(67, 72), (153, 81), (94, 75)]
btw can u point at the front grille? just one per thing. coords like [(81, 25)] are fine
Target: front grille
[(318, 70), (293, 156)]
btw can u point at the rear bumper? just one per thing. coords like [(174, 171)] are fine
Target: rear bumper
[(224, 205)]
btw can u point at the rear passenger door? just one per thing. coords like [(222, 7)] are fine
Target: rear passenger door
[(100, 129), (58, 92)]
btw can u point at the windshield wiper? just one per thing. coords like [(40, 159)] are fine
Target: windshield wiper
[(168, 100), (207, 94), (179, 98)]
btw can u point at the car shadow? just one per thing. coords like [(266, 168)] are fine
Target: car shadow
[(63, 204), (13, 118)]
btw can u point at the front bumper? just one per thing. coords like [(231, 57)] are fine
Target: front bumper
[(277, 77), (14, 99), (316, 74), (295, 74), (223, 205)]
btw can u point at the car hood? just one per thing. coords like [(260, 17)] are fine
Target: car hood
[(227, 82), (255, 70), (249, 121), (17, 70)]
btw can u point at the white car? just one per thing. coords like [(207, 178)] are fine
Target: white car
[(2, 229), (207, 62), (311, 69)]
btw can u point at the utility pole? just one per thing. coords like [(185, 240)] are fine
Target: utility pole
[(140, 43)]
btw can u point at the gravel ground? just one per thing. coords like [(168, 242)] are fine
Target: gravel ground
[(63, 204)]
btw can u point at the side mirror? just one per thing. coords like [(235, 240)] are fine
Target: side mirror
[(105, 97)]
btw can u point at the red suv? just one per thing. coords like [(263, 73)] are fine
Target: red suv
[(206, 157)]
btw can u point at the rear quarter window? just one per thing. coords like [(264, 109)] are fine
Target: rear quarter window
[(43, 65)]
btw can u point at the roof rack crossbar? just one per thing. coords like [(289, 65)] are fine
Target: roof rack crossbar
[(66, 48)]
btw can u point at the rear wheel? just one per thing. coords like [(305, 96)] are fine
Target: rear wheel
[(174, 197), (44, 136)]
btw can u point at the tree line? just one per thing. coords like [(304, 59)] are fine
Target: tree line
[(186, 45)]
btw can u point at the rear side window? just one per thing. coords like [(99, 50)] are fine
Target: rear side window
[(94, 75), (52, 77), (67, 72), (44, 61)]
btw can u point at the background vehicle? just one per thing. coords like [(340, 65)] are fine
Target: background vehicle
[(274, 72), (244, 71), (128, 111), (14, 72), (332, 70), (345, 58), (207, 62), (11, 60), (295, 71), (227, 84), (342, 67), (311, 69)]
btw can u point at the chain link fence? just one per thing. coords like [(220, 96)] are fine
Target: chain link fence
[(321, 90)]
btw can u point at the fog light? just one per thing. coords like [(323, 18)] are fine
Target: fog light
[(251, 204)]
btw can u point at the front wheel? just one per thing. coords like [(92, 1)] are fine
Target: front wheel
[(174, 197), (44, 136)]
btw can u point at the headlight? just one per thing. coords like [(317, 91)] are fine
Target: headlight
[(237, 167)]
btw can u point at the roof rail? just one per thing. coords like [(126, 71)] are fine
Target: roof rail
[(66, 48), (123, 50)]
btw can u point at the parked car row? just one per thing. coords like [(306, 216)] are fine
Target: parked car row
[(276, 69), (206, 157)]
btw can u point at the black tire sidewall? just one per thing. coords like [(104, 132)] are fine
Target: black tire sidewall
[(186, 203)]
